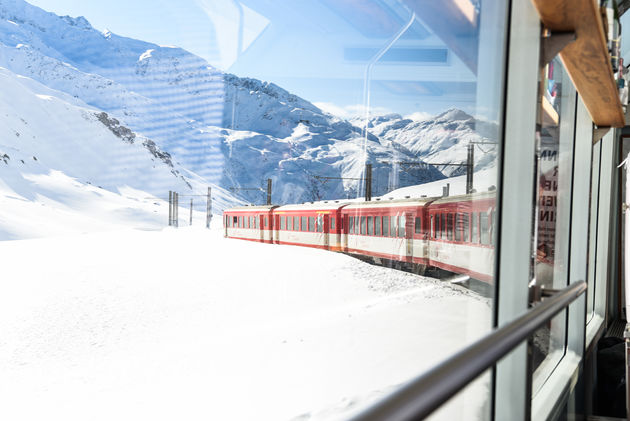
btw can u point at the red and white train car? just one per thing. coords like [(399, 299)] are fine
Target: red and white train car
[(460, 234), (394, 230), (313, 225), (254, 223)]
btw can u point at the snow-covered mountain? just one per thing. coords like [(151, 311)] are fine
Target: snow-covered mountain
[(233, 132), (67, 167), (441, 139)]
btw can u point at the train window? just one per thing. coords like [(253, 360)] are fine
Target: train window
[(449, 226), (484, 228), (465, 227), (555, 176), (393, 226), (457, 226), (300, 98), (474, 223)]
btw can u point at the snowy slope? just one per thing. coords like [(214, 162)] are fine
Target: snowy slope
[(145, 326), (65, 166)]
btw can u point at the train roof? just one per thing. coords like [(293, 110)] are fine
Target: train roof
[(326, 205), (467, 197), (251, 208), (386, 203)]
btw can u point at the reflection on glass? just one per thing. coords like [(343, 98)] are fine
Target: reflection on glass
[(555, 160), (368, 128)]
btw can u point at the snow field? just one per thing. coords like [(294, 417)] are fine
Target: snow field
[(185, 324)]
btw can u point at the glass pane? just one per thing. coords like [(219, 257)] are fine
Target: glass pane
[(458, 232), (555, 166), (290, 114), (592, 237), (465, 227)]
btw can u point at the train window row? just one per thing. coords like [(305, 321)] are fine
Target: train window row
[(289, 223), (473, 227), (304, 223), (243, 222), (381, 226)]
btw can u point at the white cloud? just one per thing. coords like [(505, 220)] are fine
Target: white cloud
[(419, 116), (350, 111)]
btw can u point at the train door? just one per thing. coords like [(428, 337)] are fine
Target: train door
[(409, 230), (226, 222), (344, 233), (275, 228), (326, 229), (260, 226)]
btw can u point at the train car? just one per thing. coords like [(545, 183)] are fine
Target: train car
[(312, 224), (394, 230), (252, 223), (460, 233)]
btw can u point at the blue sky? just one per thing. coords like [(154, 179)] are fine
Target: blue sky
[(315, 49)]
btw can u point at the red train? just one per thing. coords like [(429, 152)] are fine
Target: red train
[(452, 233)]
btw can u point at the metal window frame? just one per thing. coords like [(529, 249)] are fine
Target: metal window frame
[(512, 389)]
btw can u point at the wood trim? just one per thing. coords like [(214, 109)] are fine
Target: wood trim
[(586, 59), (550, 115)]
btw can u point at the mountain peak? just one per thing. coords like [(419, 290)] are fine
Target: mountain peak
[(453, 114)]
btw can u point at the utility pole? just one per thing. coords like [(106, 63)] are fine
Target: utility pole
[(470, 162), (269, 192), (170, 208), (190, 220), (175, 209), (209, 209), (368, 182)]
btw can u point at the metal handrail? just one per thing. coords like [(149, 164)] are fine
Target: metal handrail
[(421, 396)]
